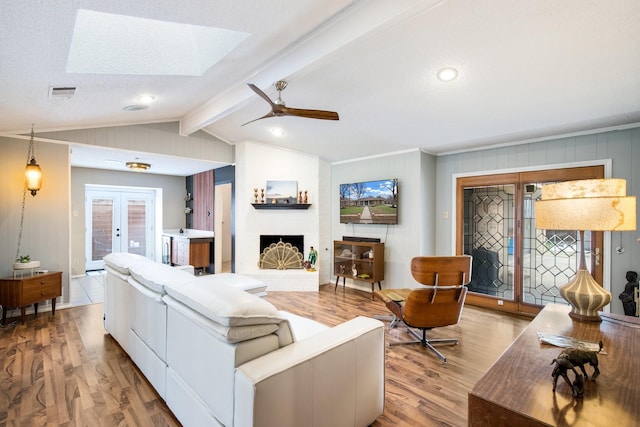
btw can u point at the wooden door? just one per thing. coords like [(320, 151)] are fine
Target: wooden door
[(203, 210)]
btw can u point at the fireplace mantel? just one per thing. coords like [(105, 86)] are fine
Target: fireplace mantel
[(281, 205)]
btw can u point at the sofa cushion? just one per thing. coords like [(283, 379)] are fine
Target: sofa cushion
[(120, 261), (224, 305), (233, 334), (156, 276)]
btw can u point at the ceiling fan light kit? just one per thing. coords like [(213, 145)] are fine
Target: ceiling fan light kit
[(279, 109)]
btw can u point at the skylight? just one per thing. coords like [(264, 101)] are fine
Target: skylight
[(105, 43)]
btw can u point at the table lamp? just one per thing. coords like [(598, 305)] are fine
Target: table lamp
[(594, 205)]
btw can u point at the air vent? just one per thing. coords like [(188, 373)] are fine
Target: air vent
[(61, 92)]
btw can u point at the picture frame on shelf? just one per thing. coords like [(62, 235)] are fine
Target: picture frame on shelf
[(281, 192)]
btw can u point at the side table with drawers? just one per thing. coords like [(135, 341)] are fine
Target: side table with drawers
[(23, 291)]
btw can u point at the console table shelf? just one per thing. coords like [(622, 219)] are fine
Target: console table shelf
[(281, 205), (517, 389)]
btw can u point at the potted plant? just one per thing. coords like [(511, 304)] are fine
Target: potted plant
[(24, 261)]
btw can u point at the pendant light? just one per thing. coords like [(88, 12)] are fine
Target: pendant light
[(32, 173)]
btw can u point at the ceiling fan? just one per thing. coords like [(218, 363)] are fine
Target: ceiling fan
[(279, 109)]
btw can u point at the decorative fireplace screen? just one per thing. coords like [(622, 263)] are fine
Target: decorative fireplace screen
[(283, 254)]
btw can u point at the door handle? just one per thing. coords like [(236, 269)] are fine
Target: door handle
[(597, 256)]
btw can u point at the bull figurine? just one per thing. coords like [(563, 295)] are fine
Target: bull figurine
[(579, 358)]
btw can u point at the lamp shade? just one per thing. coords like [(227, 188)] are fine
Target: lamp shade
[(33, 177), (590, 204), (586, 205)]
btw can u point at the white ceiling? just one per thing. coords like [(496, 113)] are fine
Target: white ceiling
[(527, 70)]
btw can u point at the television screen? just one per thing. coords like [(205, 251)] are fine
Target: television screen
[(370, 202)]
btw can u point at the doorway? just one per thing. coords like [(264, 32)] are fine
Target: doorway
[(517, 267), (222, 228), (118, 219)]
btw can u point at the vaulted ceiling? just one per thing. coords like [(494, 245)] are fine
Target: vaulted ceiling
[(525, 70)]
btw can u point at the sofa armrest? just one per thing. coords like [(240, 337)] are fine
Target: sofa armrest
[(334, 378)]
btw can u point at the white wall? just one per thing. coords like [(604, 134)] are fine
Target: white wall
[(256, 164), (622, 147)]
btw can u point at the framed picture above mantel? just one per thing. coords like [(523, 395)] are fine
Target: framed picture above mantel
[(280, 194)]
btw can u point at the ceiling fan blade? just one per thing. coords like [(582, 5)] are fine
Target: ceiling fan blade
[(266, 116), (279, 109), (310, 114), (261, 93)]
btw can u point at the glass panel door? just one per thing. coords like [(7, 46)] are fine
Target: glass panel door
[(517, 267), (118, 221), (100, 229), (550, 257), (488, 238), (137, 226)]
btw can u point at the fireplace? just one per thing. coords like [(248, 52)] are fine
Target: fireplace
[(281, 252)]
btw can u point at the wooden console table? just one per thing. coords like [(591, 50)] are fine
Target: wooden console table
[(24, 291), (517, 389)]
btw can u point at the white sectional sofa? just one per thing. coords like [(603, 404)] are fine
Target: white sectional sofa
[(220, 355)]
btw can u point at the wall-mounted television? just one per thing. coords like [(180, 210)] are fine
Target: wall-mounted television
[(369, 202)]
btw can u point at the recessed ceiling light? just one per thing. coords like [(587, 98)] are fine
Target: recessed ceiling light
[(447, 74), (278, 131), (135, 107), (146, 99)]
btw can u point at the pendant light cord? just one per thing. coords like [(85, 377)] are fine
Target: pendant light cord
[(24, 196), (30, 154)]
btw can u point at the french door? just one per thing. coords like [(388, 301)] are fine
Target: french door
[(517, 267), (118, 221)]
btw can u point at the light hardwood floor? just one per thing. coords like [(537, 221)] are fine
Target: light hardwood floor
[(65, 370)]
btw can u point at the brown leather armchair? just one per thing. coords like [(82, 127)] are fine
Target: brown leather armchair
[(437, 304)]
